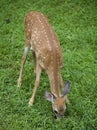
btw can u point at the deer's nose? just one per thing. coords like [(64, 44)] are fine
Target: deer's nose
[(55, 112), (58, 115)]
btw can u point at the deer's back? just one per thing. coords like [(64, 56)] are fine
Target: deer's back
[(43, 39)]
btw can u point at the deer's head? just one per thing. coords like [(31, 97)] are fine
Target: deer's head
[(59, 103)]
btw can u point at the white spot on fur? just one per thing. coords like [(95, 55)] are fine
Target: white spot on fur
[(26, 50)]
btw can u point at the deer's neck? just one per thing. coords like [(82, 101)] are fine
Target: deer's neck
[(53, 75)]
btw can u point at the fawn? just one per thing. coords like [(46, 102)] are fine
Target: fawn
[(47, 55)]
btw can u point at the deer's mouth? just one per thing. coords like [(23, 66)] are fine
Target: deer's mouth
[(57, 115)]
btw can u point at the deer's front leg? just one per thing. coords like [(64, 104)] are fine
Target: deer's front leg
[(62, 87), (38, 73)]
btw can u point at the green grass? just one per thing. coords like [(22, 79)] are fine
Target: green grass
[(76, 25)]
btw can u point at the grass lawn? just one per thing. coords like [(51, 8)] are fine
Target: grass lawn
[(75, 22)]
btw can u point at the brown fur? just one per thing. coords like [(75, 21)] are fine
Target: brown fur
[(46, 51)]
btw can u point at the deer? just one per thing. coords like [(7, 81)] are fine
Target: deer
[(47, 55)]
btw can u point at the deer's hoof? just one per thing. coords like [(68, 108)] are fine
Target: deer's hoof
[(30, 103), (19, 84)]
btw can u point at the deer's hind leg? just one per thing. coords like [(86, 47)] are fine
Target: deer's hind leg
[(34, 59), (22, 65)]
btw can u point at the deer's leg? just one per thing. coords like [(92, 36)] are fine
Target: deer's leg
[(38, 73), (22, 65), (62, 86), (34, 58)]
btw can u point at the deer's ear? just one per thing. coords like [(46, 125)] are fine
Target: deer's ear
[(66, 88), (50, 97)]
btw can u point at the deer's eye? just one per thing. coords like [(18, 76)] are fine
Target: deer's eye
[(56, 112)]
